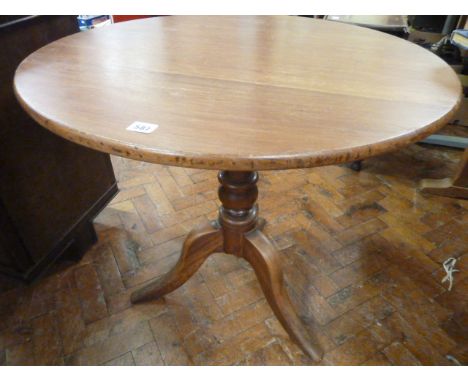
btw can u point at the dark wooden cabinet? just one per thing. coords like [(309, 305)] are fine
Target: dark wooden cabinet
[(50, 189)]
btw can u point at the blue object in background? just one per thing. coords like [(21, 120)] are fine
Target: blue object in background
[(86, 22)]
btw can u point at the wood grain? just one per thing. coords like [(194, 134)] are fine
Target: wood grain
[(238, 93), (390, 296), (265, 260), (199, 244), (236, 232)]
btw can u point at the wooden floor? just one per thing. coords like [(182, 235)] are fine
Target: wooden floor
[(362, 255)]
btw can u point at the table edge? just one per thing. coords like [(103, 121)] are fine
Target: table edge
[(222, 162)]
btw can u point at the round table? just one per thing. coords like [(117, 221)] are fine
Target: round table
[(238, 94)]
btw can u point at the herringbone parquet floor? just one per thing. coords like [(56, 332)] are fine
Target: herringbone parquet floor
[(362, 255)]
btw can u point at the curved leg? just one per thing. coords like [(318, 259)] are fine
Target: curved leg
[(264, 258), (199, 244), (237, 233)]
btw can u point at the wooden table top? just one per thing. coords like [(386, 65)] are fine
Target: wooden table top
[(238, 93)]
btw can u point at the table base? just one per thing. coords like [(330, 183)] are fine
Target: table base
[(237, 232)]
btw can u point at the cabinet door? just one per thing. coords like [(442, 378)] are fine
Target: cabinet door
[(50, 188)]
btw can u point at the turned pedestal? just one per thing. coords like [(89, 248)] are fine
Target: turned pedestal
[(267, 102), (237, 232)]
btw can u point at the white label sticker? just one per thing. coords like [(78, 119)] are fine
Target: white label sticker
[(142, 127)]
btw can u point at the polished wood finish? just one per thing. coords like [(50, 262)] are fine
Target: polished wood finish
[(456, 187), (199, 244), (286, 92), (50, 188), (263, 104), (361, 255), (238, 214), (236, 233), (265, 260)]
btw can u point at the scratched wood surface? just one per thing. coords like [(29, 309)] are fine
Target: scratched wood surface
[(362, 253), (239, 93)]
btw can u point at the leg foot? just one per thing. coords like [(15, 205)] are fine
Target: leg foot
[(198, 245), (356, 165), (237, 232), (264, 258)]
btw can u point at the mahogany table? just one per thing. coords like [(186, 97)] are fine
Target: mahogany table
[(238, 94)]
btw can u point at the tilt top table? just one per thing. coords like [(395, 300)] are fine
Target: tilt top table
[(238, 94)]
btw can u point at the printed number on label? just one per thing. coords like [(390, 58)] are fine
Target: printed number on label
[(142, 127)]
